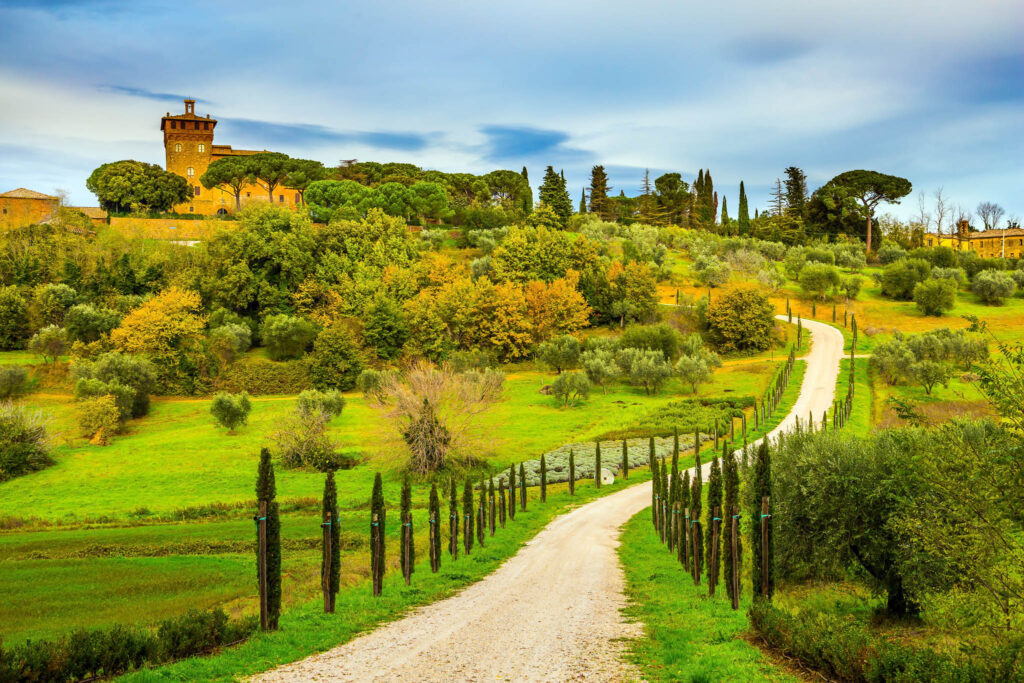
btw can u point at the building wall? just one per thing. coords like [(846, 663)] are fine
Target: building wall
[(988, 244), (169, 228), (17, 212)]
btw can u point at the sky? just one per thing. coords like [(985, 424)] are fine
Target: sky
[(931, 91)]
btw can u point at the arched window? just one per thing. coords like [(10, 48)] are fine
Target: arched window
[(202, 147), (222, 212), (177, 147), (190, 172)]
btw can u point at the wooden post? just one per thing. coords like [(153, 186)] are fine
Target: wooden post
[(716, 523), (375, 554), (765, 569), (261, 530), (325, 580), (735, 572)]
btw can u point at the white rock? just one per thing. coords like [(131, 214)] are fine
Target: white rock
[(607, 477)]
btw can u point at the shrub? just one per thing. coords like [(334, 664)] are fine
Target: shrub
[(385, 327), (560, 354), (13, 319), (890, 253), (740, 320), (928, 373), (261, 376), (229, 340), (935, 297), (119, 372), (24, 444), (851, 286), (87, 323), (1018, 278), (570, 388), (330, 402), (696, 364), (816, 279), (644, 367), (51, 303), (993, 286), (335, 362), (286, 336), (13, 380), (303, 441), (231, 410), (660, 337), (771, 278), (599, 364), (99, 418), (51, 343), (710, 271), (899, 278), (957, 275)]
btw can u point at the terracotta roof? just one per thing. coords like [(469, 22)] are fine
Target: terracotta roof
[(22, 193), (90, 211)]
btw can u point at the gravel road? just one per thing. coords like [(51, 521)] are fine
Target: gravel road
[(551, 612)]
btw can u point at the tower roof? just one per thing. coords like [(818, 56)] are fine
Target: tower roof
[(22, 193), (189, 115)]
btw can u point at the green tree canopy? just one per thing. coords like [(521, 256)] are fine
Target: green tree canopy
[(137, 186)]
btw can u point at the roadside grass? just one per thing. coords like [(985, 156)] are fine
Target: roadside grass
[(688, 635), (961, 398), (306, 630), (861, 415)]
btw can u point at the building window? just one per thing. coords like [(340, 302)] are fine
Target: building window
[(298, 198), (190, 172), (280, 198), (248, 194), (5, 212), (191, 209), (195, 190), (177, 147), (222, 212), (202, 147)]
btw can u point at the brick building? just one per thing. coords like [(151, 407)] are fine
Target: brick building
[(189, 150), (1005, 243), (22, 207)]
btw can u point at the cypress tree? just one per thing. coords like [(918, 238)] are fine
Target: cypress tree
[(378, 512), (761, 486), (725, 214), (625, 460), (512, 493), (743, 217), (714, 501), (407, 545), (435, 529), (599, 192), (684, 536), (522, 487), (597, 465), (583, 201), (481, 525), (673, 494), (572, 473), (655, 479), (467, 517), (664, 501), (453, 521), (528, 197), (543, 479), (696, 506), (554, 194), (732, 492), (490, 499), (501, 503), (330, 505), (266, 490)]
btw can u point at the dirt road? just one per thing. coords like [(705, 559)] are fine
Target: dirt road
[(552, 612)]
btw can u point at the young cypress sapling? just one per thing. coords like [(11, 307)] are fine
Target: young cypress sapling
[(522, 487), (597, 465), (543, 479), (453, 521), (572, 473), (467, 517), (329, 511), (490, 498), (714, 502), (407, 558), (378, 516), (481, 517), (625, 460), (761, 487), (266, 490), (435, 530), (655, 480), (512, 493)]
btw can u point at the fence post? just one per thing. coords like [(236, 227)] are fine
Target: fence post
[(261, 530), (325, 580), (765, 569), (716, 522), (735, 571)]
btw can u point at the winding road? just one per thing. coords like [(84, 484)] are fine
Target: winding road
[(550, 613)]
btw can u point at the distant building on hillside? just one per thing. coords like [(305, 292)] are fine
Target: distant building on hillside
[(1004, 243), (22, 207), (189, 150)]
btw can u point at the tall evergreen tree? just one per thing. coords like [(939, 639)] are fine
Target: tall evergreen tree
[(572, 473), (743, 217), (761, 486), (684, 537), (330, 505), (778, 199), (379, 513), (481, 517), (597, 464), (665, 519), (522, 487), (528, 197), (648, 209), (266, 490), (583, 200), (492, 502), (467, 517), (714, 501), (512, 492), (501, 503), (732, 492), (554, 194), (696, 507), (655, 505), (435, 529), (543, 479), (796, 191), (599, 188), (453, 521), (726, 228), (407, 544)]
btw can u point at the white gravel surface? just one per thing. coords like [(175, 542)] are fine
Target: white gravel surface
[(550, 613)]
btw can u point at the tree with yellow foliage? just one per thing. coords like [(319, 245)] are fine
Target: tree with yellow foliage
[(168, 330), (556, 308)]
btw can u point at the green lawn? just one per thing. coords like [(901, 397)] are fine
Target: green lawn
[(688, 635)]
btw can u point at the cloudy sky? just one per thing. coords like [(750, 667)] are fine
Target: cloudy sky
[(933, 91)]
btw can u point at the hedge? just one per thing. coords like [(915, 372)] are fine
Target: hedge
[(261, 376)]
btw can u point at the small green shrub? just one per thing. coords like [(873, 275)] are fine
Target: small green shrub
[(329, 402), (99, 418), (13, 380), (336, 361), (993, 286), (935, 296), (261, 377), (24, 444), (570, 388), (51, 343), (231, 410), (287, 336)]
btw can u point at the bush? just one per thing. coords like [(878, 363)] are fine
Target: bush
[(335, 362), (51, 303), (816, 279), (118, 372), (13, 380), (231, 410), (87, 323), (599, 364), (660, 337), (106, 653), (261, 376), (13, 319), (899, 278), (560, 354), (51, 343), (99, 418), (385, 327), (993, 286), (890, 253), (935, 297), (957, 275), (710, 271), (122, 395), (570, 388), (330, 403), (740, 320), (286, 336), (303, 441), (229, 340), (24, 444), (644, 367)]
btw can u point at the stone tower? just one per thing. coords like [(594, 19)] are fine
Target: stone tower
[(188, 144)]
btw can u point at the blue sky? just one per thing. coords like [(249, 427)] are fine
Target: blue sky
[(930, 91)]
